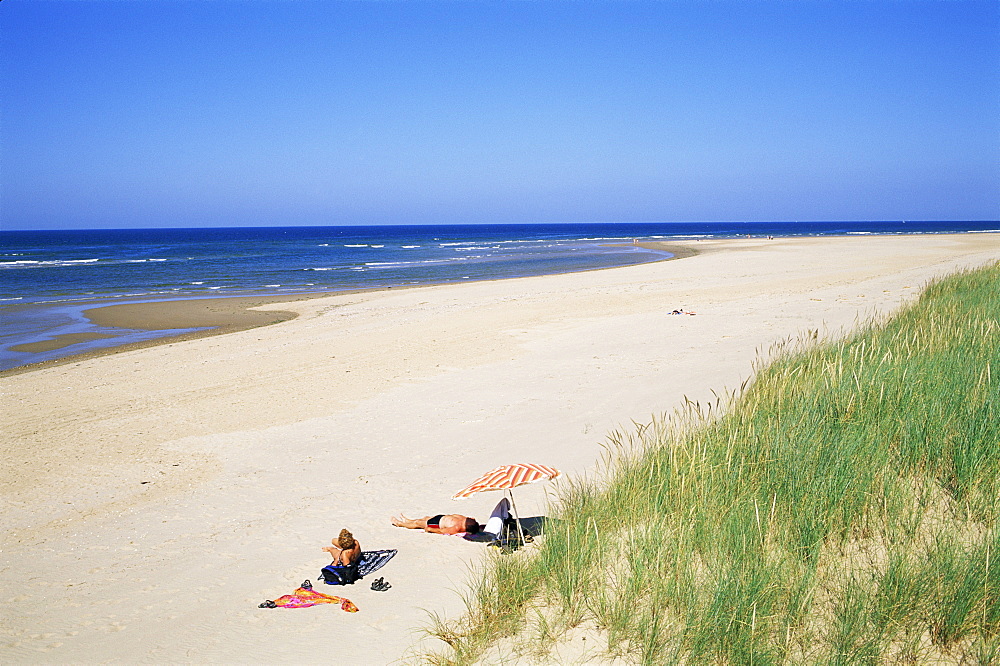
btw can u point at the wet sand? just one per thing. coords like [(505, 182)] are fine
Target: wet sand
[(224, 315), (214, 316), (153, 497), (59, 342)]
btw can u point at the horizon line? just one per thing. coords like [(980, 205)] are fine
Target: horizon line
[(495, 224)]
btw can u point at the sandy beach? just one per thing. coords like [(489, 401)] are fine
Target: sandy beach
[(152, 498)]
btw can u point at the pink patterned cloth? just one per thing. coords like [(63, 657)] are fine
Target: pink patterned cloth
[(304, 598)]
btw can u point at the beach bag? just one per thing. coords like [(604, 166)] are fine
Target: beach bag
[(340, 574)]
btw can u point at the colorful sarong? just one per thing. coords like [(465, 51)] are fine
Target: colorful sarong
[(306, 597)]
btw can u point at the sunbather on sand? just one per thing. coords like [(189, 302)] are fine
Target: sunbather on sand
[(345, 549), (458, 524), (452, 523)]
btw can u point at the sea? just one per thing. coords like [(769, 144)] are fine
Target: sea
[(48, 279)]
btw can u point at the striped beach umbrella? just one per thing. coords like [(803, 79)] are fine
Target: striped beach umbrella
[(506, 477)]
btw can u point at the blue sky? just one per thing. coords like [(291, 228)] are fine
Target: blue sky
[(217, 113)]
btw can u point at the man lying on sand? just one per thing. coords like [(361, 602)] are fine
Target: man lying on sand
[(454, 523), (451, 523)]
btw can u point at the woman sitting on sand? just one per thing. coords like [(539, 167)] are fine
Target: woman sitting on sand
[(345, 549)]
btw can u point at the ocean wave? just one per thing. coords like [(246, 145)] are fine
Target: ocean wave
[(361, 245), (30, 263), (422, 262), (683, 237)]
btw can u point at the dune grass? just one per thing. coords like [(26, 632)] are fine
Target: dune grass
[(840, 509)]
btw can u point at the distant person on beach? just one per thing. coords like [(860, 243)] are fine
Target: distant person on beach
[(451, 523), (345, 549)]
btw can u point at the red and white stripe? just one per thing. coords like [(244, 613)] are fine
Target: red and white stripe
[(506, 477)]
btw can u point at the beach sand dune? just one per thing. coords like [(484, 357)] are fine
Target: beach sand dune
[(154, 497)]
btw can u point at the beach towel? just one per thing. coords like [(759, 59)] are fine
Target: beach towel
[(304, 597), (370, 561)]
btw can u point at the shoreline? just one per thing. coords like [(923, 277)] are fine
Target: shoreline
[(219, 315), (228, 314)]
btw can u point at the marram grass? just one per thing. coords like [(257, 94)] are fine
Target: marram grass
[(841, 509)]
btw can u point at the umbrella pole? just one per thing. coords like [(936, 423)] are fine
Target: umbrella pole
[(517, 519)]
